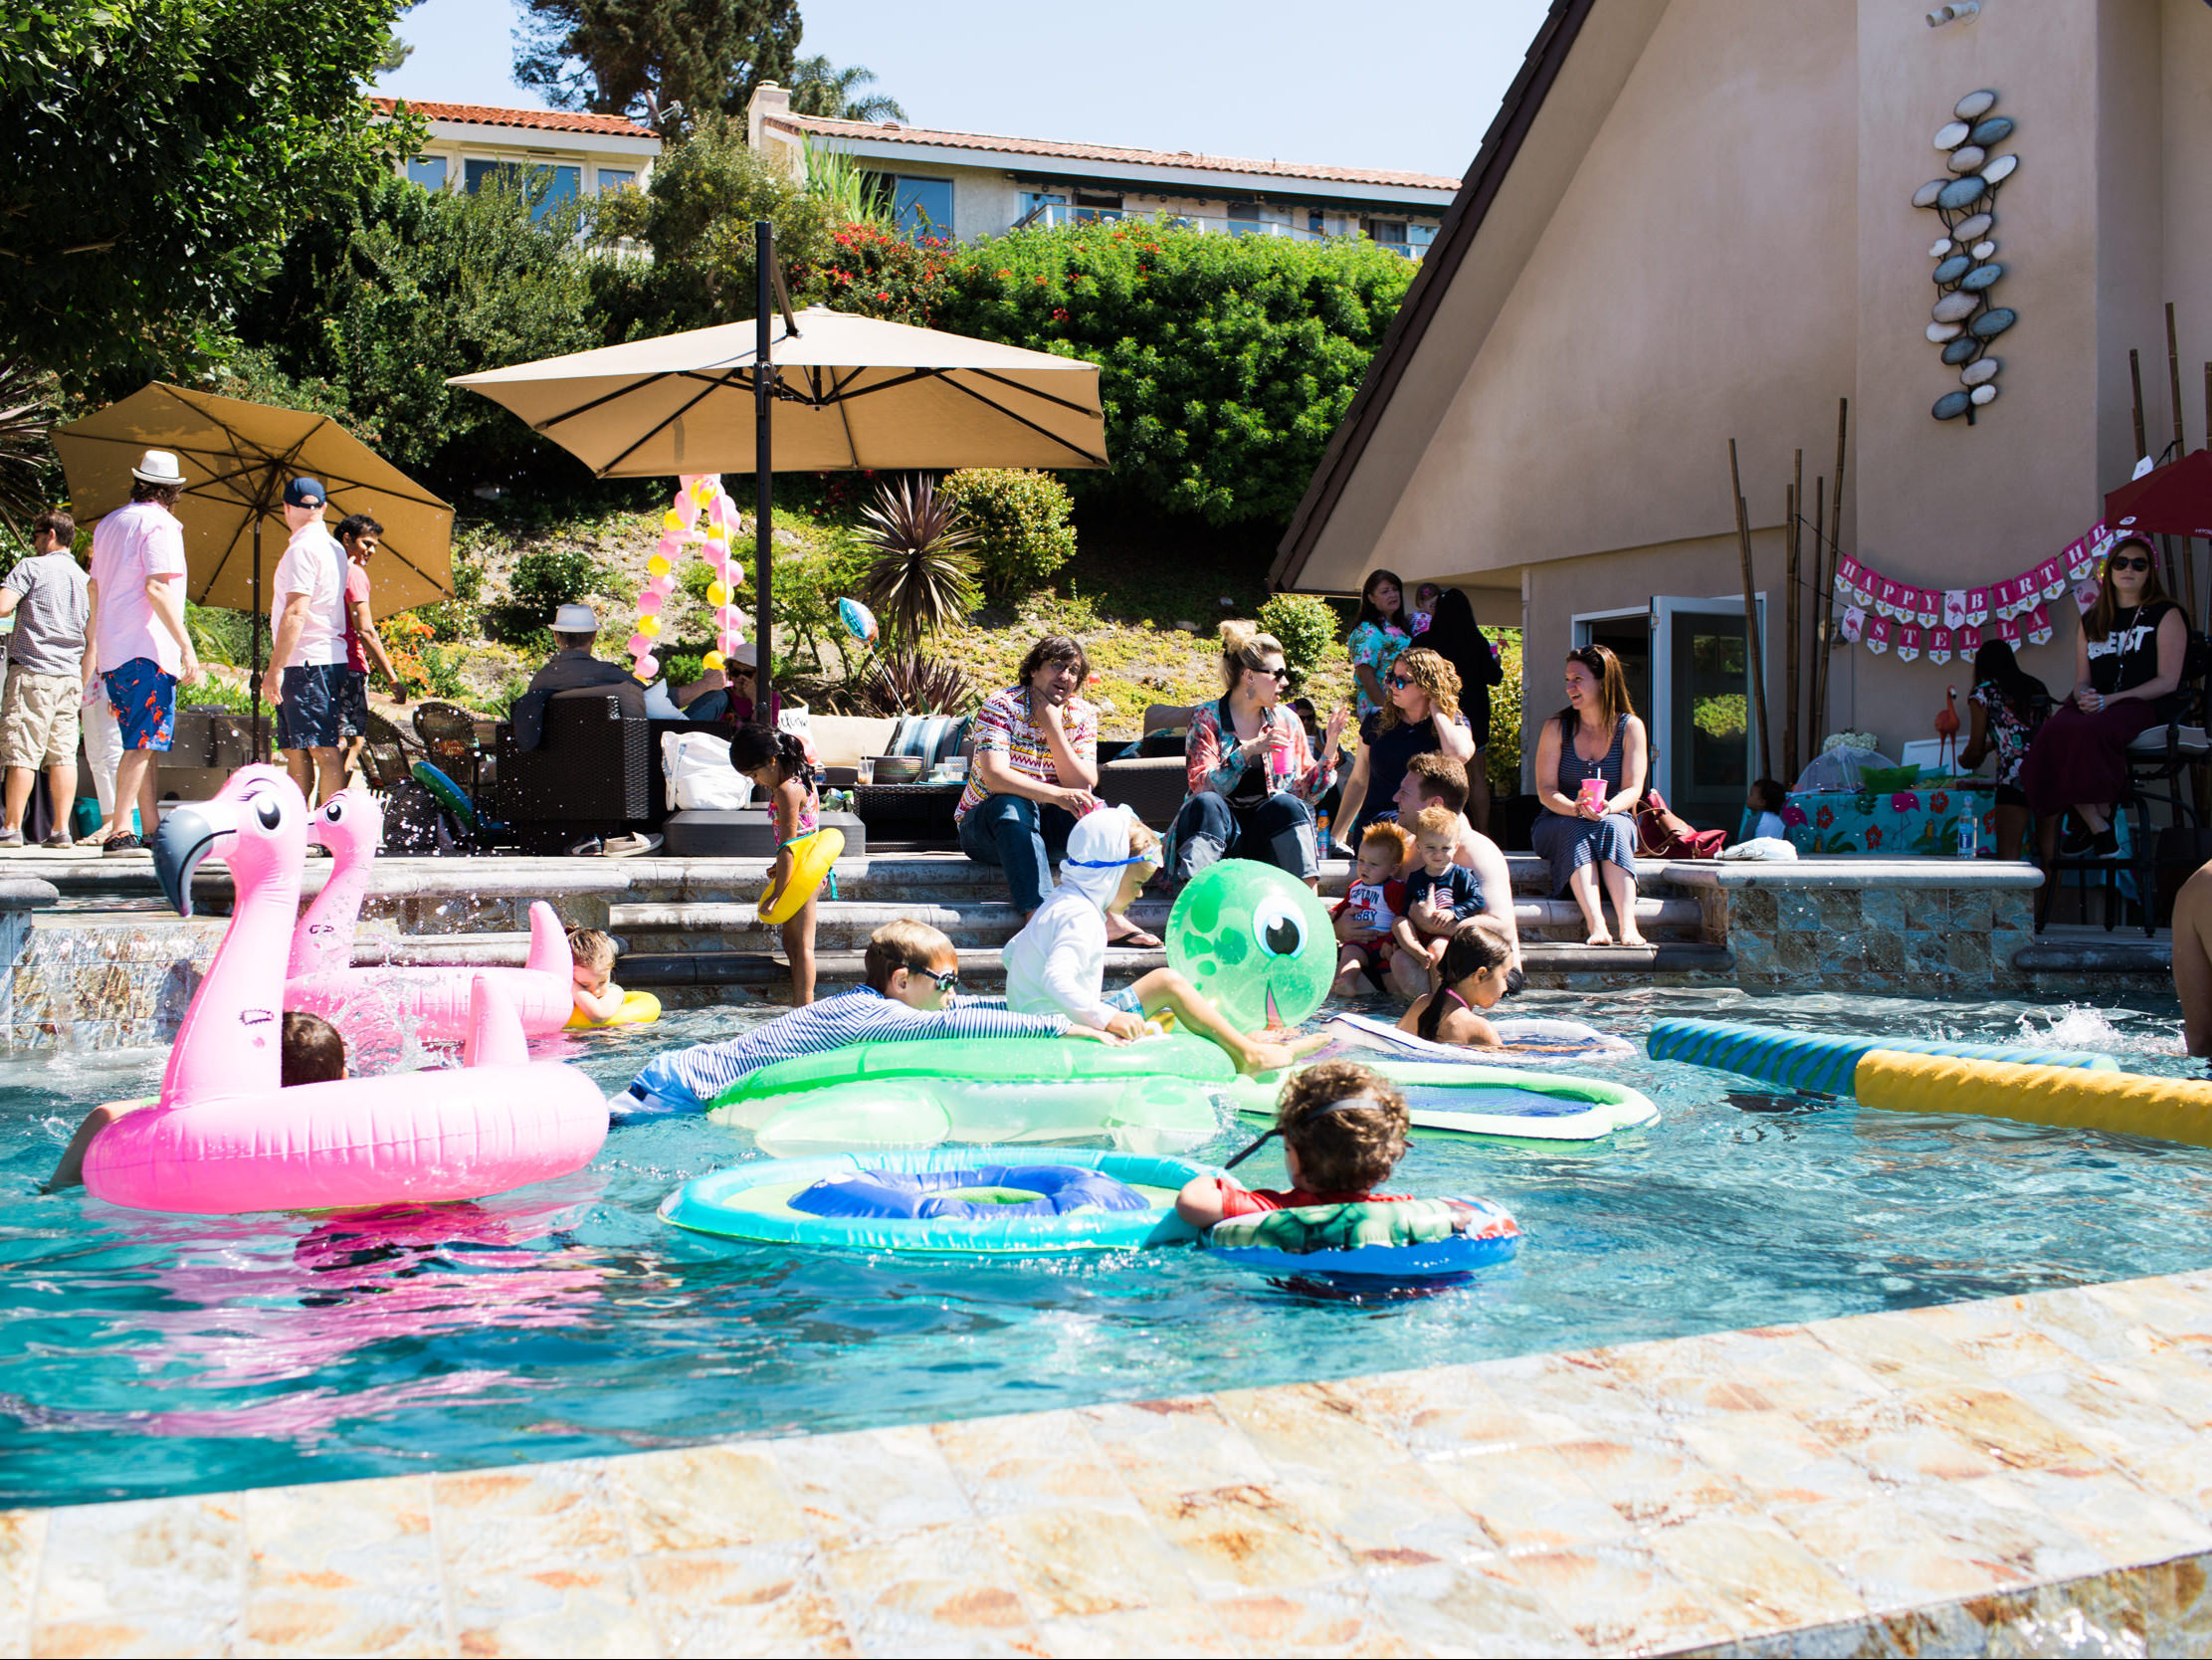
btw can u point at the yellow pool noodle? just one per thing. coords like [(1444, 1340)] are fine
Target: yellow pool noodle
[(2070, 1098)]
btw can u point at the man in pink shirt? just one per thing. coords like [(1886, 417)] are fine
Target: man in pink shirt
[(360, 536), (137, 639)]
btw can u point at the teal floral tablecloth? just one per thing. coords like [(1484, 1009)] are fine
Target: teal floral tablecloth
[(1920, 820)]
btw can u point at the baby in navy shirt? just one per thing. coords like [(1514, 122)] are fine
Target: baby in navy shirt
[(1439, 893)]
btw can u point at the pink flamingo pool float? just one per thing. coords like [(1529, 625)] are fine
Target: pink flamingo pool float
[(224, 1136), (374, 1004)]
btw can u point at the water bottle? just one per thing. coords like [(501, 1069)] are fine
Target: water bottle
[(1969, 833), (1321, 834)]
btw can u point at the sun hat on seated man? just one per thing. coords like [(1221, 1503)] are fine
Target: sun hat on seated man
[(575, 619)]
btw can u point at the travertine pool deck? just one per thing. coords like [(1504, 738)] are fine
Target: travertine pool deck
[(2026, 1475)]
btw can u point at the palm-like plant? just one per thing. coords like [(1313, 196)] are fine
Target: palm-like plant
[(24, 418), (918, 579), (908, 682)]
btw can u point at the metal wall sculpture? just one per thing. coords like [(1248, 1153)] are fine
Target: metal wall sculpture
[(1966, 269)]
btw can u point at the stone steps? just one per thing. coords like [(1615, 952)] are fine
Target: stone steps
[(845, 925)]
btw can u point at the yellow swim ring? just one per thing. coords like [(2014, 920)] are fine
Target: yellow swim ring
[(811, 859), (2071, 1098), (639, 1008)]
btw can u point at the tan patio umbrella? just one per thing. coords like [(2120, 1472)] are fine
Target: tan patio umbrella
[(850, 392), (822, 392), (237, 457)]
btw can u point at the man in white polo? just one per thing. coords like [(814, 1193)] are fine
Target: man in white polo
[(307, 660)]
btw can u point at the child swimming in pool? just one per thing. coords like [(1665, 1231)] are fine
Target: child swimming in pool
[(1371, 909), (592, 980), (1472, 976), (912, 972), (777, 763), (313, 1052), (1344, 1131), (1057, 963)]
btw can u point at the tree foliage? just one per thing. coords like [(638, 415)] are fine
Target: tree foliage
[(696, 215), (1018, 521), (1304, 625), (375, 308), (640, 56), (1225, 363), (819, 89), (160, 151)]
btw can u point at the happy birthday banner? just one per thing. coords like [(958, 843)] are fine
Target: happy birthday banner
[(1941, 621)]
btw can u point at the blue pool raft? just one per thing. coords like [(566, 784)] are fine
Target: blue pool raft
[(1826, 1062), (945, 1201)]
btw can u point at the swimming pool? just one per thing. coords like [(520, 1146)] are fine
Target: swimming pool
[(143, 1354)]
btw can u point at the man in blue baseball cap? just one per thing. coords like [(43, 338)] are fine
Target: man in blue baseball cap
[(306, 662)]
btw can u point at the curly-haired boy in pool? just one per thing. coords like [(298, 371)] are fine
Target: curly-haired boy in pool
[(1344, 1131)]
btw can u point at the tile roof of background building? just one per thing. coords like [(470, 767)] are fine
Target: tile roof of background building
[(889, 133), (542, 120)]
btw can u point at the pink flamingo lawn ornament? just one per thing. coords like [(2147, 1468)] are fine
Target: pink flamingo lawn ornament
[(373, 1004), (1946, 731), (224, 1136)]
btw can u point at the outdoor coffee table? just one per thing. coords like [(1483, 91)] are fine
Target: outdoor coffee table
[(915, 812)]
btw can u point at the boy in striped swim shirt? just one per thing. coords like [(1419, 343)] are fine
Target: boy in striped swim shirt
[(912, 970)]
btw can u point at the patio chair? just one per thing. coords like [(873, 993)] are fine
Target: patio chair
[(2162, 767), (449, 736)]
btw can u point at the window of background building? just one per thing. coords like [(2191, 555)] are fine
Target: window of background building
[(1091, 205), (1391, 233), (1317, 222), (617, 178), (567, 182), (429, 171), (1031, 200), (1245, 219), (923, 206), (1419, 237)]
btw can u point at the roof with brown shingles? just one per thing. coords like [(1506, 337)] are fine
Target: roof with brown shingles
[(888, 134), (540, 120)]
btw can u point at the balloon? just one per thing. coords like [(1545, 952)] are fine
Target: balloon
[(639, 645), (1254, 941), (649, 602), (726, 616), (859, 620), (649, 666), (717, 593), (672, 521), (658, 565), (661, 585), (713, 661), (649, 625)]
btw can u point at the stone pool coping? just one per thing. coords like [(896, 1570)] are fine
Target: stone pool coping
[(2004, 1476)]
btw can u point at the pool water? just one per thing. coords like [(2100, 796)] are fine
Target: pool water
[(143, 1354)]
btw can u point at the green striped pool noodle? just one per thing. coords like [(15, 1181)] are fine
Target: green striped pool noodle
[(1826, 1060)]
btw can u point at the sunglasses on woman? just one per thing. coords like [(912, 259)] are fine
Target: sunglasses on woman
[(2131, 564), (1400, 681)]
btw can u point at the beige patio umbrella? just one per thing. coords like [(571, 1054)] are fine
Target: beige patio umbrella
[(822, 392), (237, 457), (849, 392)]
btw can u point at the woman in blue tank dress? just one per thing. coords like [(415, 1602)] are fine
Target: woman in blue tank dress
[(1588, 834)]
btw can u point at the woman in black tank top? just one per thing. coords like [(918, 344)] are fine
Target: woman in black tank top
[(2126, 671)]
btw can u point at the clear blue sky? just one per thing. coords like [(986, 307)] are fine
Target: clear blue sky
[(1408, 85)]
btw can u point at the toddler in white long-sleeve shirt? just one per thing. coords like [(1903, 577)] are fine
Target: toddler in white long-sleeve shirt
[(1057, 963)]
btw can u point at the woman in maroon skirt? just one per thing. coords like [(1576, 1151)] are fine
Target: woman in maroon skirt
[(2126, 664)]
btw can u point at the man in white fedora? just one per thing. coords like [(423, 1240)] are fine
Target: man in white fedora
[(138, 642), (571, 667)]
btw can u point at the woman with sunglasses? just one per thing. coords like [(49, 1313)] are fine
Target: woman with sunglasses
[(2128, 662), (1590, 770), (1253, 780), (1380, 633), (1421, 717)]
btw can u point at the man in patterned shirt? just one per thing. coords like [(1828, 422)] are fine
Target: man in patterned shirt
[(1035, 768)]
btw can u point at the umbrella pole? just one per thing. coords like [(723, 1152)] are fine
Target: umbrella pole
[(253, 632), (763, 372)]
